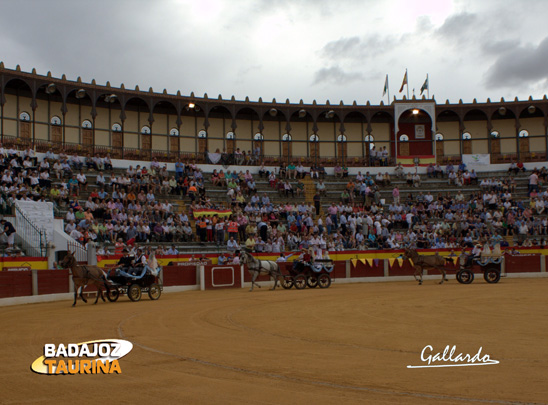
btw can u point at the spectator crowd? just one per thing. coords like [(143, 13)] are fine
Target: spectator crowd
[(135, 205)]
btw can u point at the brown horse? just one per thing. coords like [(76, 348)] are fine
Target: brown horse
[(84, 275), (421, 262)]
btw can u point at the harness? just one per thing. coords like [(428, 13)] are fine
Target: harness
[(257, 265)]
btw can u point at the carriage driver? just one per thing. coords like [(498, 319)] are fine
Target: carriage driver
[(304, 258), (125, 261), (475, 254)]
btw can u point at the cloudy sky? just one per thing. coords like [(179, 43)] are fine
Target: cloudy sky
[(297, 49)]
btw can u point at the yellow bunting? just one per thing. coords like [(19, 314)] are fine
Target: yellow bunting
[(455, 259), (362, 261), (400, 261), (354, 262), (370, 262), (391, 261)]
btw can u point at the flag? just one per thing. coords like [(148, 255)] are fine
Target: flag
[(385, 86), (425, 85), (404, 83)]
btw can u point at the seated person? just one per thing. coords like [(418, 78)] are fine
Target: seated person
[(399, 171), (139, 262), (475, 254), (298, 265), (125, 261)]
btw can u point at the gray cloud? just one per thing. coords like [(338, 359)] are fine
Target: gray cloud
[(498, 47), (458, 26), (523, 66), (335, 75), (355, 48)]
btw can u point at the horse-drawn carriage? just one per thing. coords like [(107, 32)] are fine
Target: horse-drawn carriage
[(301, 274), (489, 262), (134, 282), (312, 274)]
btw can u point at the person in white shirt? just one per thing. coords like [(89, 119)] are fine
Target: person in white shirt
[(300, 171), (6, 178), (70, 226), (99, 163), (82, 180), (232, 245), (76, 234), (539, 206)]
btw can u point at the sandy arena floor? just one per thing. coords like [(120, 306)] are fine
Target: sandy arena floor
[(347, 344)]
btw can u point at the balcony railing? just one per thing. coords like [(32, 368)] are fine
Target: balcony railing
[(268, 159)]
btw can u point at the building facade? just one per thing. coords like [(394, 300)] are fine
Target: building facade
[(46, 112)]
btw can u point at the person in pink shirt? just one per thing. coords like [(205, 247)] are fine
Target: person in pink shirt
[(396, 195), (333, 213), (533, 182)]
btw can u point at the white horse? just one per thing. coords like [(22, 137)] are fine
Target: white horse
[(256, 267)]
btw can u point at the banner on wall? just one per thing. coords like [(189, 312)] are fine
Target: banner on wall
[(420, 132), (477, 159), (206, 212), (214, 157)]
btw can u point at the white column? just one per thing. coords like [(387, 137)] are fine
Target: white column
[(92, 254)]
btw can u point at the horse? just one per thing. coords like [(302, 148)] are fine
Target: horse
[(421, 262), (256, 267), (82, 275)]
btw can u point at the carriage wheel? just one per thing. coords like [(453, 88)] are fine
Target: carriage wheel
[(134, 292), (312, 281), (113, 294), (300, 281), (492, 276), (324, 281), (154, 291), (465, 276), (287, 282)]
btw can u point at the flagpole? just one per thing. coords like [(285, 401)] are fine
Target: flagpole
[(407, 76), (388, 89)]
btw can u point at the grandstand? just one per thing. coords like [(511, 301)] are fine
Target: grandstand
[(108, 157)]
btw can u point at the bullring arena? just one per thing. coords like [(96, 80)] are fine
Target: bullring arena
[(350, 343), (208, 339)]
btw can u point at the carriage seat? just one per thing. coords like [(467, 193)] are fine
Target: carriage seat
[(488, 253), (490, 256)]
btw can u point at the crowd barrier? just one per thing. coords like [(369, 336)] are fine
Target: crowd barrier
[(21, 285)]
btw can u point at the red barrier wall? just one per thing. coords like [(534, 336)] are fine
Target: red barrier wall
[(53, 281), (339, 270), (404, 270), (222, 277), (365, 270), (19, 283), (15, 283), (179, 275), (522, 263)]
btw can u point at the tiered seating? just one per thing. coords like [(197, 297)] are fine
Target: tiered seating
[(217, 196)]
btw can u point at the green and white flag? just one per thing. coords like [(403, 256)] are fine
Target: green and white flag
[(425, 85)]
